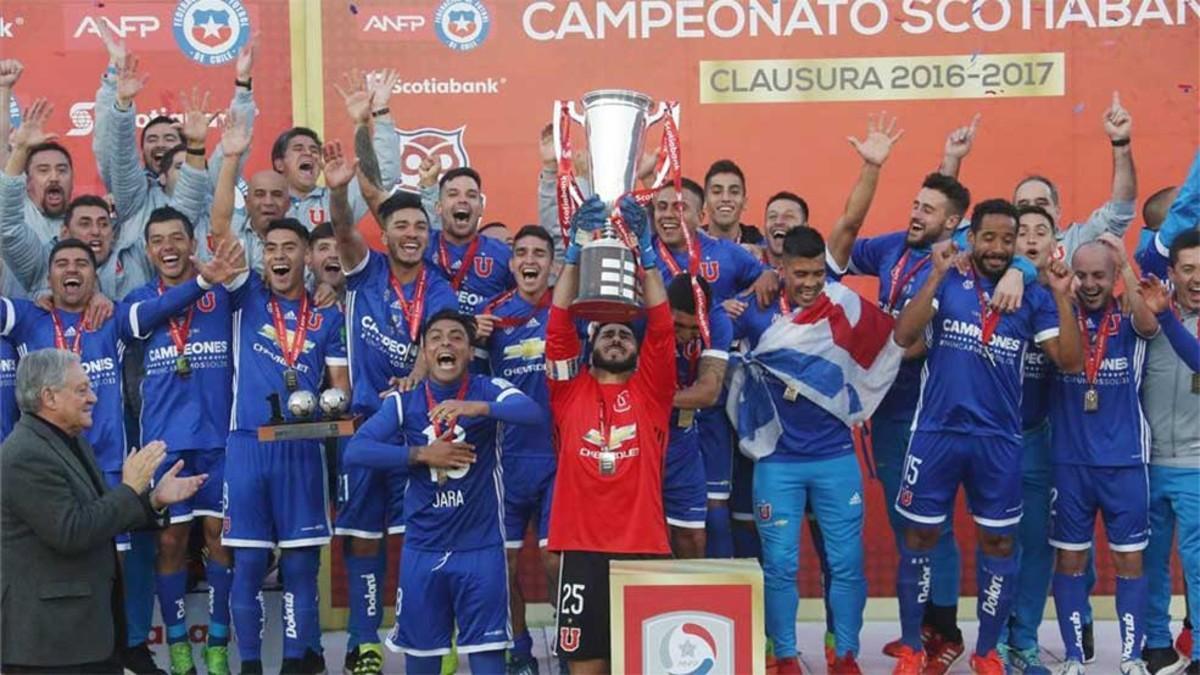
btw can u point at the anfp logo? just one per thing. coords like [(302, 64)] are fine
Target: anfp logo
[(687, 643), (461, 25), (211, 32), (448, 147)]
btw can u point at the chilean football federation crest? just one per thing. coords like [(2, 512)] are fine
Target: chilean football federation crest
[(211, 32), (447, 147), (688, 643), (461, 25)]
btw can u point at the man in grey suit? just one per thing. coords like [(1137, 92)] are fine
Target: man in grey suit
[(61, 595)]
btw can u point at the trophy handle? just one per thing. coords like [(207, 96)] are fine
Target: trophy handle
[(658, 115), (555, 118)]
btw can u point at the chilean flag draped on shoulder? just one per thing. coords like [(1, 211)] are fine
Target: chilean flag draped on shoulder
[(838, 353)]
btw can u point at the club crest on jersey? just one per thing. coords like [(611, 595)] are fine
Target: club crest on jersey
[(764, 511), (483, 266), (906, 498), (317, 215), (710, 270), (968, 284), (622, 402), (211, 32), (568, 639), (448, 147), (207, 302), (462, 25)]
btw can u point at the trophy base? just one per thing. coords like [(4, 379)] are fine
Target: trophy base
[(606, 310), (295, 431)]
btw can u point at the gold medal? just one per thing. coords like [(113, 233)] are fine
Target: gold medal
[(1091, 401), (686, 417), (791, 394), (608, 463), (182, 367), (291, 379)]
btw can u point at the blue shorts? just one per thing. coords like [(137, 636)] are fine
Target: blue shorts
[(369, 502), (443, 589), (121, 541), (716, 445), (207, 501), (988, 467), (684, 497), (741, 499), (1120, 493), (528, 489), (275, 493)]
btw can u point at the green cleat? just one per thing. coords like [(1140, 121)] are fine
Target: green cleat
[(216, 660), (369, 661), (181, 659)]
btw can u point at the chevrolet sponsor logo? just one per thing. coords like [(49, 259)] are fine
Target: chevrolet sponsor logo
[(529, 349)]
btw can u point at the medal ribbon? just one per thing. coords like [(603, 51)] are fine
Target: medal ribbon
[(1094, 348), (413, 310), (60, 339), (179, 330), (290, 352), (519, 319), (989, 319), (468, 260), (431, 403), (899, 282)]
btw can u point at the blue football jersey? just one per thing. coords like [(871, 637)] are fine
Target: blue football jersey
[(1117, 433), (727, 267), (902, 272), (962, 389), (8, 388), (188, 413), (810, 433), (464, 509), (102, 352), (487, 277), (1035, 391), (258, 360), (687, 358), (379, 339), (517, 354)]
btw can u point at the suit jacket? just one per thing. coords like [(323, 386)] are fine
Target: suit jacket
[(56, 549)]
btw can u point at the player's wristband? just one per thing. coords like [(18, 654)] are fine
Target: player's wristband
[(195, 151), (1121, 143), (246, 83), (381, 112)]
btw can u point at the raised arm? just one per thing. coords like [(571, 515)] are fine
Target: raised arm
[(1118, 124), (235, 139), (10, 72), (958, 146), (1066, 350), (106, 95), (1155, 295), (919, 311), (874, 150), (339, 173), (242, 103), (1143, 318), (23, 251), (120, 152)]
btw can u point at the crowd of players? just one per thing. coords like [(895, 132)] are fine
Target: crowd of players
[(1027, 379)]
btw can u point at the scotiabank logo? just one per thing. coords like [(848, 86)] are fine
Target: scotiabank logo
[(83, 119), (687, 643), (8, 24)]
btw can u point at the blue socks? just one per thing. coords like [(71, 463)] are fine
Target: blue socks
[(245, 600), (997, 585), (487, 662), (138, 571), (1131, 607), (1070, 598), (522, 647), (171, 590), (913, 580), (428, 665), (365, 577), (746, 543), (720, 532), (301, 613), (220, 581)]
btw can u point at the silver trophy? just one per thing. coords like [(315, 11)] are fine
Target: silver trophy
[(615, 121)]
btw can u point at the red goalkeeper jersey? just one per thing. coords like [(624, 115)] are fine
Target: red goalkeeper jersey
[(611, 441)]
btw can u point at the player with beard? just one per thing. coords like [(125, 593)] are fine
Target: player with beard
[(476, 267), (724, 202), (611, 419), (185, 403), (517, 353), (388, 296), (967, 423), (1099, 449), (442, 435), (296, 153), (275, 491), (1170, 393)]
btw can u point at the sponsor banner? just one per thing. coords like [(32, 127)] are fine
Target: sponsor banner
[(1040, 73), (180, 45)]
